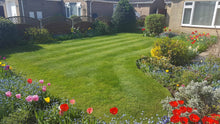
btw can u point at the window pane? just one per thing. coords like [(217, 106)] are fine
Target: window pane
[(186, 17), (73, 9), (203, 13), (79, 11), (187, 4), (217, 19)]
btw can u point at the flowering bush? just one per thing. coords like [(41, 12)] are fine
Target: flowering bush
[(199, 96)]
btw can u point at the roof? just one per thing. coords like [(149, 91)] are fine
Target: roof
[(131, 1)]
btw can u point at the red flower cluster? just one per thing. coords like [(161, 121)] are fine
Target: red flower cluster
[(194, 36), (192, 117), (166, 29), (143, 29)]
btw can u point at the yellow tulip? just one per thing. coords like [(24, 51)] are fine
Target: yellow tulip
[(194, 35), (0, 63), (3, 64), (177, 85), (47, 99), (167, 71), (10, 68)]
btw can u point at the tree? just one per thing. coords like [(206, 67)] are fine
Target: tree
[(124, 18)]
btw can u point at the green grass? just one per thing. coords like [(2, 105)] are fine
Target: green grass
[(99, 72)]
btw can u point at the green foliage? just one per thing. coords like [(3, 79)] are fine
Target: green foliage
[(105, 19), (8, 33), (155, 23), (20, 116), (124, 17), (100, 28), (37, 35), (83, 26), (176, 50), (197, 95), (140, 22)]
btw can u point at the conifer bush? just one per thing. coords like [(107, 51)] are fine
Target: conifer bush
[(124, 18)]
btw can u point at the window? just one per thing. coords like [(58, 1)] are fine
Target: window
[(31, 14), (201, 14), (73, 9), (114, 7), (39, 15)]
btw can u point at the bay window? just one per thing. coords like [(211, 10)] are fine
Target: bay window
[(201, 14)]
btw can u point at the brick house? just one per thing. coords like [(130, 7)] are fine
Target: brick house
[(45, 8), (32, 8), (187, 16), (95, 8)]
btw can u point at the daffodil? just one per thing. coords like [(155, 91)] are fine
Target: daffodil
[(71, 29), (47, 99), (167, 71), (194, 35)]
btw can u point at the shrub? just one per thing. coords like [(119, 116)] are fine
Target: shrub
[(100, 28), (8, 35), (140, 22), (176, 50), (104, 19), (197, 95), (37, 35), (124, 17), (83, 26), (155, 23)]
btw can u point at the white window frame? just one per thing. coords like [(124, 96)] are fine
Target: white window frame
[(78, 5), (39, 13), (31, 12), (192, 12)]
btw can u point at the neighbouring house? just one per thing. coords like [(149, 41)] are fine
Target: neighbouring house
[(201, 15), (32, 8), (95, 8)]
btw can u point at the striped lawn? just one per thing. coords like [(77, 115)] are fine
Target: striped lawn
[(99, 72)]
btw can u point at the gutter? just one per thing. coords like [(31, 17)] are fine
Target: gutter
[(22, 7), (115, 2)]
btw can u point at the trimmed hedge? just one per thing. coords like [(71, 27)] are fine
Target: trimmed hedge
[(155, 23)]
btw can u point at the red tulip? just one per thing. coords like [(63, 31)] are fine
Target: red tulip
[(184, 120), (89, 110), (114, 110), (143, 29), (164, 27), (180, 102), (29, 81), (173, 103), (188, 109), (193, 33), (176, 112), (194, 118), (175, 119), (64, 107), (169, 29), (196, 31), (183, 109)]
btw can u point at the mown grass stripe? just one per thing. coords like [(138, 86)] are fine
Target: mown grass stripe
[(75, 55)]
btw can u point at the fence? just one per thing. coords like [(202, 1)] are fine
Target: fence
[(54, 24)]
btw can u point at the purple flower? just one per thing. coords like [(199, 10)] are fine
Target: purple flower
[(8, 94), (29, 99), (18, 96), (4, 58), (6, 67), (35, 97)]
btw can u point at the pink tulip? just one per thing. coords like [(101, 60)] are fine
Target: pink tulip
[(72, 101), (183, 85), (8, 94), (18, 96), (48, 84), (43, 89), (29, 99), (89, 110), (41, 81), (35, 97)]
